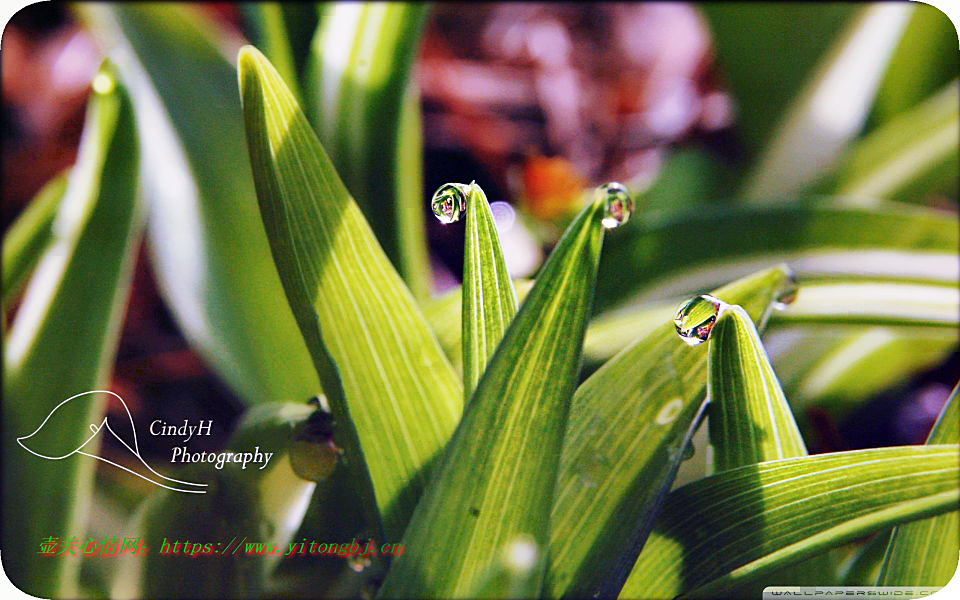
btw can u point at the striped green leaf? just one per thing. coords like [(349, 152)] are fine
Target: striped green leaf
[(751, 422), (908, 158), (390, 388), (63, 343), (354, 87), (489, 300), (207, 242), (925, 552), (627, 424), (735, 527), (495, 482), (267, 28), (28, 237), (680, 254)]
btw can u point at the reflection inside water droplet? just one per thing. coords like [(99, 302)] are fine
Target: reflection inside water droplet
[(313, 453), (787, 295), (696, 318), (449, 202), (618, 205)]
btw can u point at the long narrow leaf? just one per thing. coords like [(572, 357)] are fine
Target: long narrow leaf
[(63, 343), (28, 237), (734, 527), (399, 397), (925, 552), (489, 300), (268, 31), (682, 254), (832, 106), (207, 242), (495, 483), (627, 423), (910, 157), (356, 79)]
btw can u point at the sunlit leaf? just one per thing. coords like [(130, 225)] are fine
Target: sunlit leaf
[(208, 246), (82, 280), (390, 388), (626, 426), (28, 236), (268, 31), (355, 85), (732, 528), (495, 483), (489, 300), (925, 552)]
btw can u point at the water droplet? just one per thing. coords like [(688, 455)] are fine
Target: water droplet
[(688, 453), (449, 202), (787, 294), (313, 453), (618, 205), (696, 317)]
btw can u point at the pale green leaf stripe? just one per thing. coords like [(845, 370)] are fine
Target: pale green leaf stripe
[(734, 527), (667, 257), (750, 420), (354, 86), (910, 156), (626, 422), (25, 240), (398, 390), (63, 342), (925, 552), (208, 248), (874, 303), (495, 482), (489, 300)]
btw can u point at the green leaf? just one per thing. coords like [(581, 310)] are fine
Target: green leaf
[(864, 566), (681, 254), (734, 527), (909, 157), (929, 34), (64, 340), (399, 398), (355, 86), (873, 303), (240, 505), (925, 552), (495, 482), (627, 424), (832, 106), (207, 242), (489, 300), (268, 31), (29, 236), (750, 420), (751, 40)]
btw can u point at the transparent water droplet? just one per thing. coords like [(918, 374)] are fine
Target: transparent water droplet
[(313, 453), (618, 205), (449, 202), (696, 317)]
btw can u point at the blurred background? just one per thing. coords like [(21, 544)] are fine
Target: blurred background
[(534, 101)]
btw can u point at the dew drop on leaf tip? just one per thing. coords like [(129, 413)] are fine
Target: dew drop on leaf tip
[(696, 317), (449, 202), (617, 204)]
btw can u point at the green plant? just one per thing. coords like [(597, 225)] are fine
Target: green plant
[(464, 426)]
